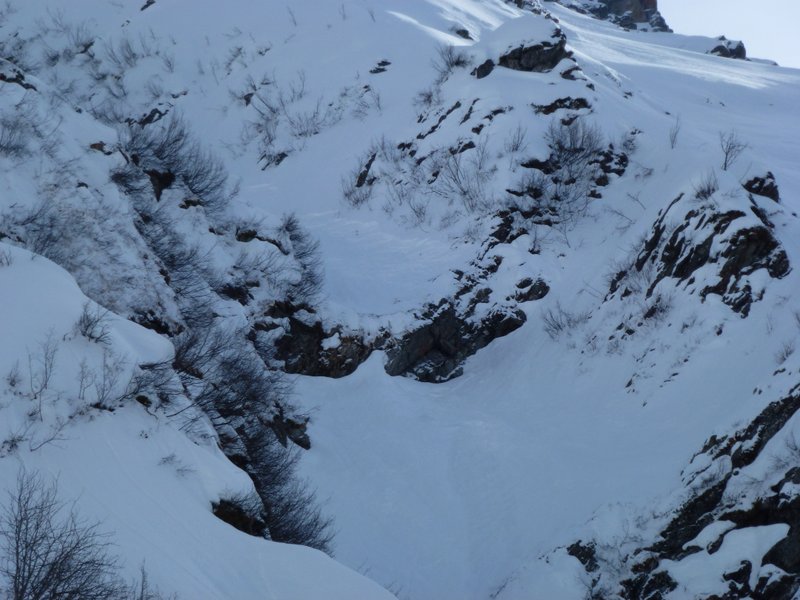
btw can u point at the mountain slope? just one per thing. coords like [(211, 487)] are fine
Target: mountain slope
[(519, 262)]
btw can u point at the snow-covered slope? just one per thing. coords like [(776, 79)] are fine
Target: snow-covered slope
[(68, 414), (555, 256)]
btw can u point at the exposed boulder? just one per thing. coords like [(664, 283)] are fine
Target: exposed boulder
[(537, 57), (729, 49), (540, 45)]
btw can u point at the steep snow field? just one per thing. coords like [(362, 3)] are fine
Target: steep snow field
[(463, 490), (449, 491)]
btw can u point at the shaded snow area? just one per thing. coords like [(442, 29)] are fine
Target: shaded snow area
[(483, 299)]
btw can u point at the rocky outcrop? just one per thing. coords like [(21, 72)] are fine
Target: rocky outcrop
[(735, 242), (712, 504), (448, 333), (626, 13), (537, 57), (764, 185), (307, 348), (435, 351), (729, 49), (719, 506)]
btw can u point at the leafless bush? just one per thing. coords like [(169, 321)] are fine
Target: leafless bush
[(293, 513), (15, 135), (789, 456), (785, 351), (6, 258), (305, 249), (560, 190), (732, 146), (674, 132), (707, 186), (573, 146), (370, 99), (106, 383), (123, 55), (558, 320), (171, 148), (464, 175), (49, 552), (23, 124), (14, 376), (448, 59), (41, 366), (354, 194), (130, 179), (153, 380), (517, 141), (172, 461), (305, 124), (428, 97), (93, 323)]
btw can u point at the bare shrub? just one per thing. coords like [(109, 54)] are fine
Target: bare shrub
[(516, 141), (707, 186), (732, 146), (49, 552), (293, 513), (573, 146), (107, 383), (557, 320), (93, 323), (789, 455), (354, 194), (464, 176), (448, 59), (41, 367), (170, 148), (305, 249), (560, 189), (15, 136), (785, 351), (6, 258), (130, 179), (674, 132), (428, 97)]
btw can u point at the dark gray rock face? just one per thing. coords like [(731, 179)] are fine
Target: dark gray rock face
[(764, 185), (742, 449), (730, 49), (776, 575), (434, 352), (304, 350), (626, 13), (743, 248), (538, 57)]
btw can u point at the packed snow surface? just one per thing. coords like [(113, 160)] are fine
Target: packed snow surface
[(453, 491)]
